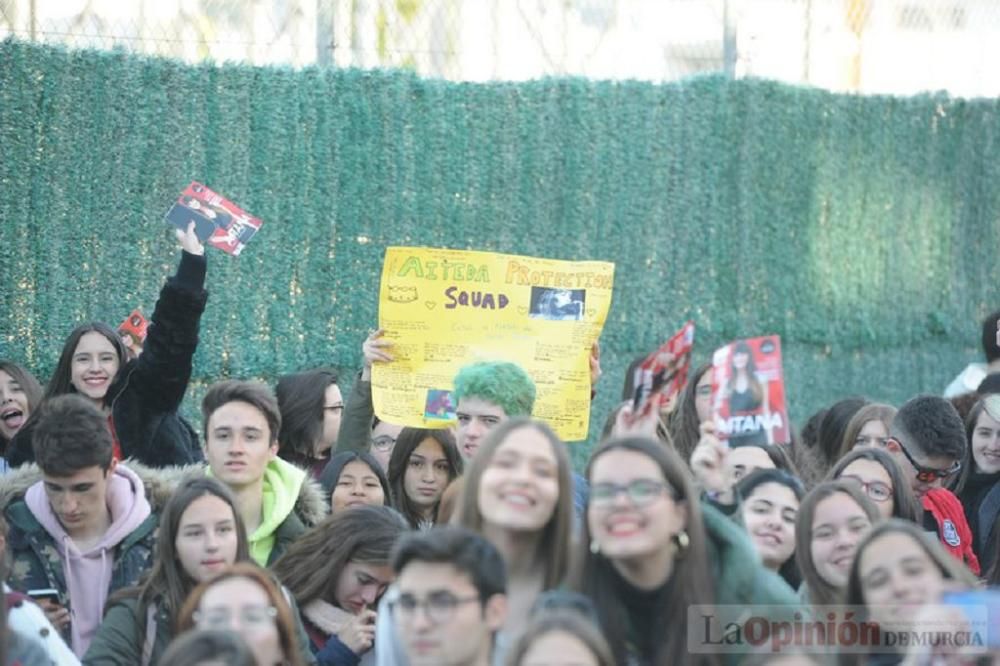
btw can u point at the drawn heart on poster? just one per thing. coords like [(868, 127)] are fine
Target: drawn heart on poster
[(522, 310), (430, 304)]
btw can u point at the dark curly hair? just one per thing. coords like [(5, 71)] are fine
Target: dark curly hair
[(932, 425), (71, 434)]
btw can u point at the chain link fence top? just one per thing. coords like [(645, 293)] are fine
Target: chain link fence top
[(883, 46)]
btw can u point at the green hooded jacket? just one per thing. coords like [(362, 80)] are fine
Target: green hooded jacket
[(291, 505)]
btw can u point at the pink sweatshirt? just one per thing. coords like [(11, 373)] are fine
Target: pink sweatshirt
[(88, 573)]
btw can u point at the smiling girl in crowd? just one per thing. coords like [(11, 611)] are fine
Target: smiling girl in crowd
[(140, 396), (832, 519), (201, 533), (770, 505), (978, 487), (337, 573), (881, 480), (650, 550), (20, 394), (897, 571), (518, 493), (422, 465), (354, 478)]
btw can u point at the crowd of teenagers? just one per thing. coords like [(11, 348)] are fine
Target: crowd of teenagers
[(298, 528)]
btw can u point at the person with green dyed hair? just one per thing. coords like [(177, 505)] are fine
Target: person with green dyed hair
[(486, 394)]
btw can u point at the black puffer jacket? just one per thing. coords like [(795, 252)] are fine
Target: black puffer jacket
[(147, 392)]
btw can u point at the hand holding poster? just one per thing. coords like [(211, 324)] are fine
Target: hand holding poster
[(217, 220), (748, 392), (664, 372), (132, 331), (444, 309)]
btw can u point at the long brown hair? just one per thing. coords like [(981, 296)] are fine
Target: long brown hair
[(597, 577), (283, 619), (875, 411), (167, 582), (951, 569), (989, 405), (821, 592), (554, 541), (310, 569), (904, 504), (302, 399), (61, 381), (32, 390), (683, 424), (408, 440)]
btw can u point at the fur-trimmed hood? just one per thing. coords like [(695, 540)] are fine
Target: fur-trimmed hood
[(311, 506)]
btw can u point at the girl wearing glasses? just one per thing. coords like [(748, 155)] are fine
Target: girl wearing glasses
[(832, 520), (201, 533), (978, 487), (337, 573), (245, 599), (694, 407), (650, 550), (770, 505), (354, 478), (422, 465), (311, 406), (897, 571), (881, 480)]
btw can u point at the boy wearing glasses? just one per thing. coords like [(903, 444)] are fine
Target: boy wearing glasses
[(451, 598), (927, 440)]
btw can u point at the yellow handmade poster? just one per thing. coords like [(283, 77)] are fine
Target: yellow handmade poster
[(443, 309)]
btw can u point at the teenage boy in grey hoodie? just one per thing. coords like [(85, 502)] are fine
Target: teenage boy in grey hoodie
[(86, 529)]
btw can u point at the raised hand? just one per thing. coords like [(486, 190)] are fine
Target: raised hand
[(595, 363), (189, 240), (375, 349), (710, 464)]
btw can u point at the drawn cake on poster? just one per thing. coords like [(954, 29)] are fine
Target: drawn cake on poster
[(218, 221), (748, 392)]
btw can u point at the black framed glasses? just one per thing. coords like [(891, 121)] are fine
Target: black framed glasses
[(439, 606), (640, 492), (876, 490), (926, 474), (383, 442)]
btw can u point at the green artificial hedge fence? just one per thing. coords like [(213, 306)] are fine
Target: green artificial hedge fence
[(863, 230)]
